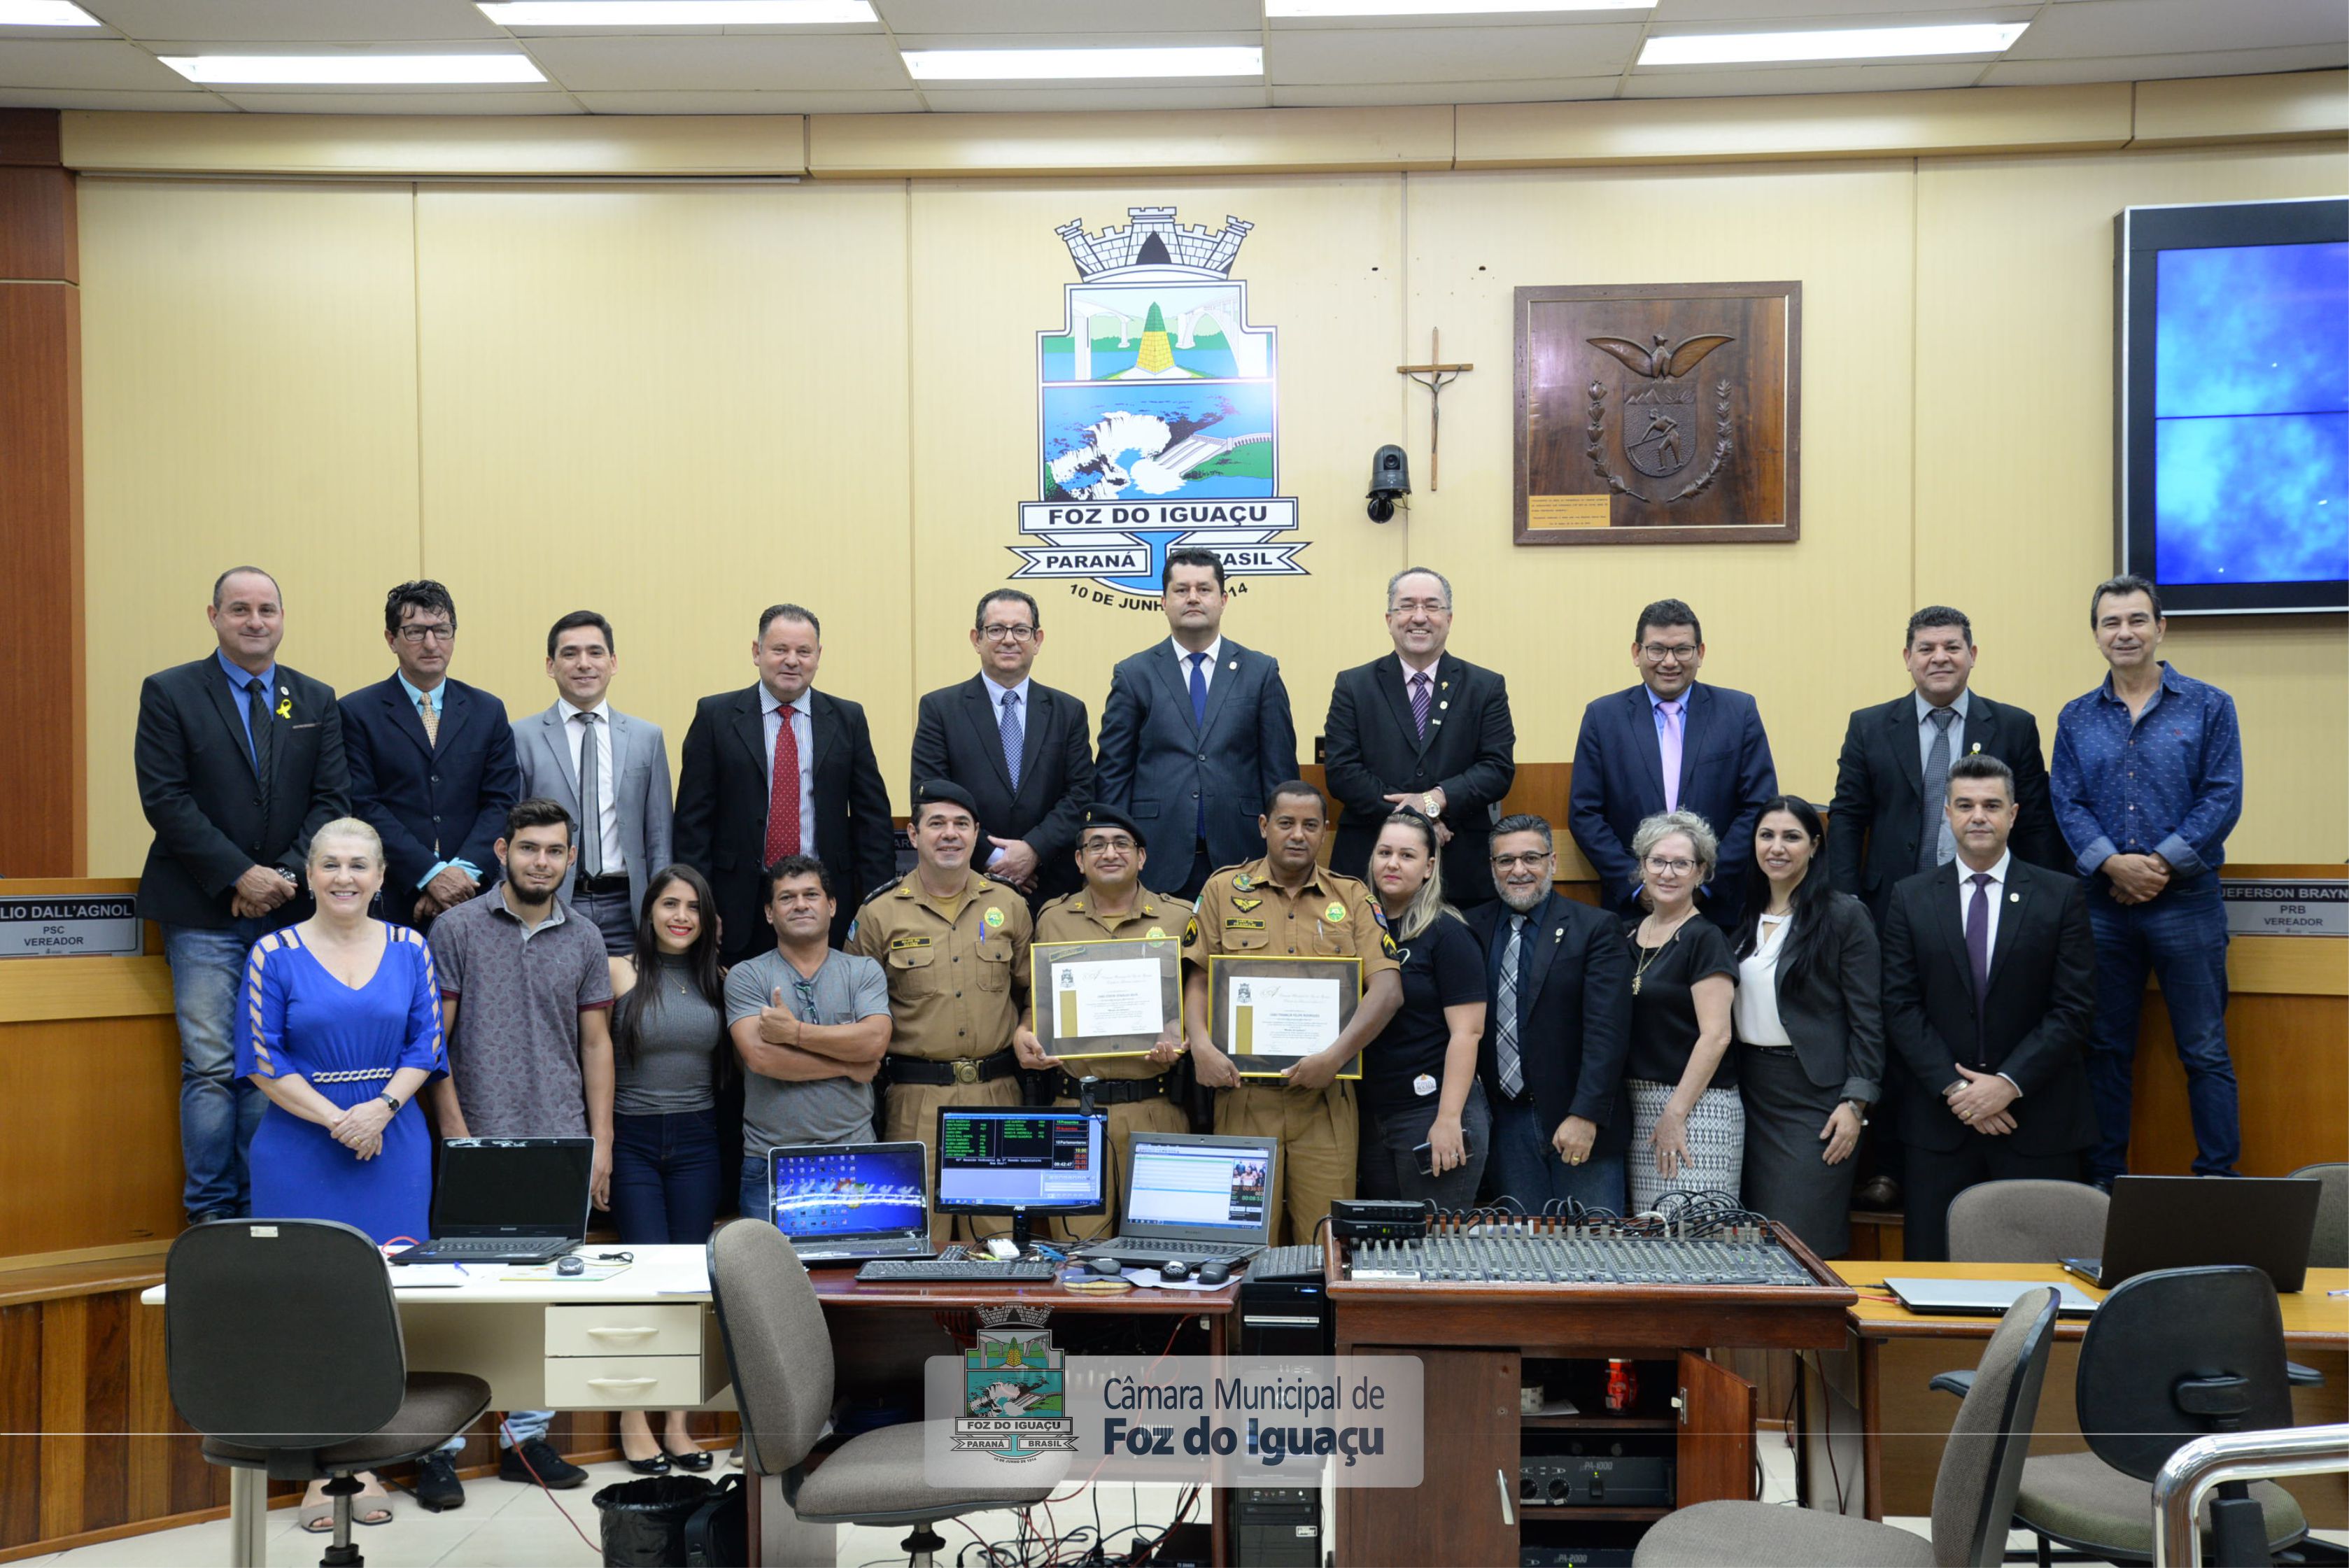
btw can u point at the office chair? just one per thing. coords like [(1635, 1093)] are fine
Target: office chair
[(1973, 1495), (321, 1391), (2169, 1356), (780, 1355), (2328, 1244), (2027, 1222)]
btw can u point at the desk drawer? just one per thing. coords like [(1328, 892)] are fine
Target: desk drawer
[(626, 1328), (625, 1382)]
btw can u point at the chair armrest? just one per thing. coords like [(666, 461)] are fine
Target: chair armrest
[(2300, 1376), (1959, 1383)]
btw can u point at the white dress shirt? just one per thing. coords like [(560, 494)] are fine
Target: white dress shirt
[(1996, 893), (1215, 652), (1925, 730), (802, 712), (1754, 1009), (608, 786)]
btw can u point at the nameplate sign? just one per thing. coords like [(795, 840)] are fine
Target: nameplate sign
[(2286, 909), (69, 926)]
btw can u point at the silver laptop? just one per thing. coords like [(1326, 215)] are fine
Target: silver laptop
[(508, 1201), (1198, 1197), (1980, 1297), (842, 1203)]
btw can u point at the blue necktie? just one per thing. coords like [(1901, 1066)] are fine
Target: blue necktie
[(1199, 717), (1014, 738)]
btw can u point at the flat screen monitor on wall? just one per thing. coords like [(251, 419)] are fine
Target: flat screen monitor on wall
[(2232, 473)]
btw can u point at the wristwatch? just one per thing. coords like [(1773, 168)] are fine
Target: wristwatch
[(1427, 806), (392, 1100)]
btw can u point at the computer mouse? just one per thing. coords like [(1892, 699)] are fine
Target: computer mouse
[(1108, 1267), (572, 1264), (1173, 1271), (1215, 1271)]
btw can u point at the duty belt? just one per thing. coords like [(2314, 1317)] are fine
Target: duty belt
[(1114, 1091), (961, 1070)]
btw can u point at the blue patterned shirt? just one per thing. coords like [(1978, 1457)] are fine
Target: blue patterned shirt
[(2169, 782)]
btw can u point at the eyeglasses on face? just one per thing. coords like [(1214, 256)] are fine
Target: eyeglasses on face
[(1006, 634), (435, 631), (1531, 861), (1663, 867)]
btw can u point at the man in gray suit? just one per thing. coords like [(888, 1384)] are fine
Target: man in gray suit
[(618, 794), (1194, 735)]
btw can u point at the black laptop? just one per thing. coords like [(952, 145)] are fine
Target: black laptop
[(1198, 1197), (508, 1201), (2195, 1222)]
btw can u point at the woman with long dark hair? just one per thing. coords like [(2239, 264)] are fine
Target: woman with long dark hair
[(1809, 1029), (669, 1032)]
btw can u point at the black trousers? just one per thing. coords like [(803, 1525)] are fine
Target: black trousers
[(1937, 1176)]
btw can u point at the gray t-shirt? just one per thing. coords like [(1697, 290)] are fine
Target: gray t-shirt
[(514, 1054), (822, 1110)]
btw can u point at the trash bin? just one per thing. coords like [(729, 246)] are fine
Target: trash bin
[(643, 1521)]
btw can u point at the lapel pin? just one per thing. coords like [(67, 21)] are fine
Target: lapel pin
[(2015, 898), (1443, 705), (1559, 935), (1233, 665), (1975, 747)]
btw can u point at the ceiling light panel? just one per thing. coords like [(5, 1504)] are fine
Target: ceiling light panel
[(1082, 65), (1838, 44), (616, 14), (354, 69)]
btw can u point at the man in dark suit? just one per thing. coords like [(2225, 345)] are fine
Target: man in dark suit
[(1887, 816), (240, 761), (1990, 988), (753, 787), (1425, 728), (1021, 751), (432, 761), (1670, 745), (1557, 1033), (1195, 735)]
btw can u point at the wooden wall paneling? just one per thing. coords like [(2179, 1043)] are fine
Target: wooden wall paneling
[(41, 682), (20, 1424), (149, 1427), (106, 1410), (32, 137), (36, 226), (2292, 1081), (65, 1368), (108, 1084)]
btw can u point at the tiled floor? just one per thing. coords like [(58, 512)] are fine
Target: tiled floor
[(507, 1526)]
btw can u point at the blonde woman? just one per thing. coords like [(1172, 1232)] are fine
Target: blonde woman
[(1688, 1127), (1419, 1075)]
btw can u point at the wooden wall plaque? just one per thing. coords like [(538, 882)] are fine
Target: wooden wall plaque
[(1659, 414)]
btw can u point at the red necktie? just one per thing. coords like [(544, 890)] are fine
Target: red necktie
[(783, 792)]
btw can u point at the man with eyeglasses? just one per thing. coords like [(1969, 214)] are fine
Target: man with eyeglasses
[(1671, 744), (1423, 728), (1136, 1091), (433, 768), (1019, 749), (810, 1025)]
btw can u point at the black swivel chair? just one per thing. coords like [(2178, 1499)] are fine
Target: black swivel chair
[(283, 1348)]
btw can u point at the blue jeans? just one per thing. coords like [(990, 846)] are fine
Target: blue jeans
[(518, 1427), (754, 1187), (2180, 936), (1525, 1166), (218, 1109), (1389, 1169), (665, 1180)]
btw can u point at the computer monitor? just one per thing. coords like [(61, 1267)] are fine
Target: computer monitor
[(1020, 1161), (852, 1191)]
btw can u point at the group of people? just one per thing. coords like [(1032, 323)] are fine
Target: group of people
[(517, 919)]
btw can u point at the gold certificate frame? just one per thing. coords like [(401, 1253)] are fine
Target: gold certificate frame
[(1249, 1048), (1055, 1000)]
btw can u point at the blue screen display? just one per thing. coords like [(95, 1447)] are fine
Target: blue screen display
[(2251, 414), (848, 1193)]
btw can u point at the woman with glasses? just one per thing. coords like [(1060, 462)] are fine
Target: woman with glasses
[(668, 1025), (1809, 1028), (1688, 1128)]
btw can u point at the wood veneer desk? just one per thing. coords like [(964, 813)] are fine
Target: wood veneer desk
[(1869, 1406)]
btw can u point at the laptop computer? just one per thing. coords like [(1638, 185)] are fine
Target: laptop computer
[(2193, 1222), (1193, 1196), (850, 1201), (507, 1201), (1980, 1298)]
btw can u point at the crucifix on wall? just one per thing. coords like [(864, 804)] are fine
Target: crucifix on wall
[(1435, 377)]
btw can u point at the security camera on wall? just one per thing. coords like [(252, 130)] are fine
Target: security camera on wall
[(1389, 482)]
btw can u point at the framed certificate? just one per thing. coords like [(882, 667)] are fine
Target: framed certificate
[(1268, 1014), (1106, 998)]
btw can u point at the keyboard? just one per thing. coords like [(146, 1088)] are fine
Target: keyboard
[(957, 1271), (1286, 1262), (1145, 1253), (492, 1248)]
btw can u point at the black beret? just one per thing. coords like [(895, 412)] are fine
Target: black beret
[(942, 792), (1109, 817)]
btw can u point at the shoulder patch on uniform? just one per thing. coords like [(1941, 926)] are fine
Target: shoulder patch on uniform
[(1380, 916), (1336, 913), (1386, 942), (1191, 932)]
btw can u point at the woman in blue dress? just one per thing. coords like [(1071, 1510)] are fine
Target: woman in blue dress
[(342, 1027)]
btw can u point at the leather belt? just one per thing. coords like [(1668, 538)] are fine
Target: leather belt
[(610, 881), (1115, 1091), (961, 1070)]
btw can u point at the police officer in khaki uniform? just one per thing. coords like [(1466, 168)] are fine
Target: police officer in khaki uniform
[(955, 947), (1113, 905), (1285, 906)]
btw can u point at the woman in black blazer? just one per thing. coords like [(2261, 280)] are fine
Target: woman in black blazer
[(1809, 1029)]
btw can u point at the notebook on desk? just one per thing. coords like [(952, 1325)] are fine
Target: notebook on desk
[(850, 1201), (2195, 1222), (508, 1201), (1193, 1196)]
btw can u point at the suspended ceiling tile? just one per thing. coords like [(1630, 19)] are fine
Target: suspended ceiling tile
[(294, 21), (2165, 67), (2113, 29), (1072, 100), (1099, 21), (1732, 82), (193, 102), (66, 65), (763, 63), (400, 100), (875, 102), (1321, 58), (1383, 93)]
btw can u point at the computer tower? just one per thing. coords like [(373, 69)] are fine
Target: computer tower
[(1281, 1526)]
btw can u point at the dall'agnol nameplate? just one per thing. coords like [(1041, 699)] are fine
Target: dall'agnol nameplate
[(71, 926)]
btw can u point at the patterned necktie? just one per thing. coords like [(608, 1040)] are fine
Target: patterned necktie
[(591, 802), (1199, 717), (264, 737), (1014, 738), (1668, 744), (1934, 846), (1978, 934), (1504, 1029), (1419, 702), (431, 717), (783, 792)]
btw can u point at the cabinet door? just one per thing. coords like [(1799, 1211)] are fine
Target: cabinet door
[(1717, 1446), (1464, 1510)]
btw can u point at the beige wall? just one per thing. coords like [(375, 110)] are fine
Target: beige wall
[(676, 403)]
